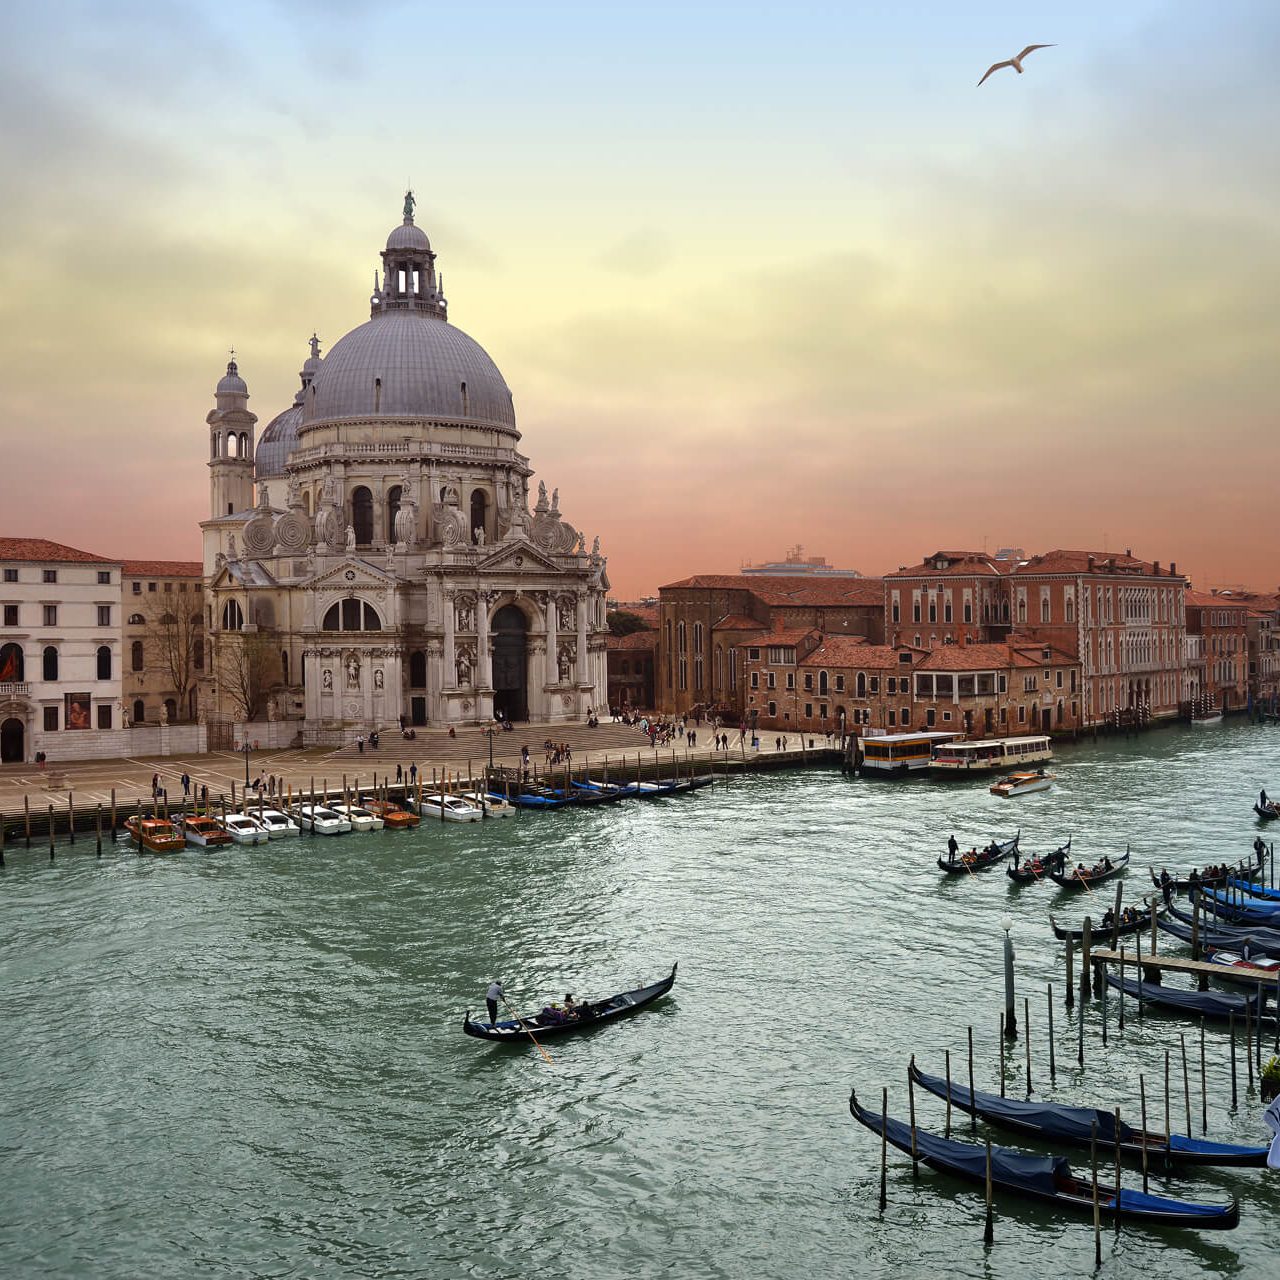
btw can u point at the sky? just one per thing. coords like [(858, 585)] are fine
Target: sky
[(757, 274)]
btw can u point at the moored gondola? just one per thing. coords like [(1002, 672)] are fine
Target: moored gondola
[(1236, 909), (1183, 884), (1047, 1178), (996, 851), (1258, 942), (1036, 868), (1261, 937), (1080, 877), (550, 1023), (1218, 1005), (1054, 1122), (1138, 921)]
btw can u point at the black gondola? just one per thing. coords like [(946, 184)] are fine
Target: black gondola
[(1037, 868), (1082, 877), (1136, 924), (1255, 943), (591, 1014), (1053, 1122), (1231, 936), (1241, 871), (1217, 1005), (996, 851), (1042, 1177), (1268, 811)]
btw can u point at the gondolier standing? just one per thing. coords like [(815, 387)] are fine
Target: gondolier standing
[(492, 996), (953, 847)]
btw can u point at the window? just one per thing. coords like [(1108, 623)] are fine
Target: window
[(822, 711), (946, 611), (168, 586), (897, 610), (51, 615), (362, 515), (104, 577), (968, 610), (770, 680), (12, 663), (137, 588), (50, 575), (822, 683), (11, 615), (139, 712), (233, 616), (839, 684), (394, 495), (929, 716), (352, 615), (915, 610), (104, 715), (182, 586), (137, 620), (892, 717), (791, 679), (808, 710), (104, 662), (753, 655), (755, 679), (893, 684), (51, 719), (1022, 714), (104, 615), (808, 680), (933, 610), (1044, 608), (773, 709), (49, 669), (136, 657), (151, 586), (11, 575), (875, 684), (906, 715), (1059, 674)]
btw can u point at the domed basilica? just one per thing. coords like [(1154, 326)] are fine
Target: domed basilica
[(371, 558)]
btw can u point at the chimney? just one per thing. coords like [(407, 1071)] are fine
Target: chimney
[(1129, 552), (1156, 567), (1173, 568), (1090, 564)]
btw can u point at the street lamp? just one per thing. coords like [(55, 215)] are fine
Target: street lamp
[(246, 748), (1010, 1014), (490, 732)]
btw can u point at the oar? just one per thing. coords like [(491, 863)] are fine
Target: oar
[(525, 1028)]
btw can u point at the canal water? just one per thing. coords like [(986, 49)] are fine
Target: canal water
[(250, 1063)]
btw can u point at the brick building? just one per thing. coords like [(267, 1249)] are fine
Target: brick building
[(632, 660), (162, 607), (707, 621), (1221, 620), (950, 597)]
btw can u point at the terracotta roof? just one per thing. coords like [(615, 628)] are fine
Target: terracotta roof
[(787, 636), (737, 622), (1078, 562), (1207, 600), (649, 612), (961, 564), (164, 568), (41, 549), (790, 589), (636, 640), (992, 657), (837, 651)]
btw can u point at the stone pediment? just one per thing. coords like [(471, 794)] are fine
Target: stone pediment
[(351, 574), (518, 557)]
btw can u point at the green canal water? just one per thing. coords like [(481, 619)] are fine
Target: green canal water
[(249, 1063)]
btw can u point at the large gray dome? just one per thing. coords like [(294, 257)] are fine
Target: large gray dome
[(407, 364)]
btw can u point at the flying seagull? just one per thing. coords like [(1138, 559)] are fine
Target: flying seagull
[(1015, 63)]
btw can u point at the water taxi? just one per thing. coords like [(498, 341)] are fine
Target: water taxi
[(319, 820), (245, 829), (277, 824), (450, 808), (887, 754), (990, 755), (361, 819), (391, 813), (494, 805), (155, 835), (203, 831), (1021, 784)]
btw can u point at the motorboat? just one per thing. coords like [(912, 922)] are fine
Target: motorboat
[(494, 805), (361, 819), (989, 755), (203, 831), (391, 814), (319, 820), (450, 808), (244, 829), (155, 835), (1251, 969), (278, 824), (1021, 784)]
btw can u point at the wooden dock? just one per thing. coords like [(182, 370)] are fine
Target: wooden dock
[(1153, 966)]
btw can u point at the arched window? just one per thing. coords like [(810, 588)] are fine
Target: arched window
[(12, 664), (229, 445), (197, 653), (104, 662), (417, 669), (393, 509), (139, 711), (244, 445), (306, 502), (284, 665), (135, 656), (50, 665), (861, 685), (362, 515), (351, 615), (232, 616), (479, 512), (822, 683), (137, 620), (171, 710)]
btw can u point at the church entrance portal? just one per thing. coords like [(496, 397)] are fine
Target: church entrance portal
[(12, 744), (510, 663)]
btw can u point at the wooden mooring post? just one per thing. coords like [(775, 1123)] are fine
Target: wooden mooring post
[(1053, 1066), (51, 833), (1070, 999), (1086, 945)]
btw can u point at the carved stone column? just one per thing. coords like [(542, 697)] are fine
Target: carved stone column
[(553, 640), (450, 656), (484, 658), (584, 670)]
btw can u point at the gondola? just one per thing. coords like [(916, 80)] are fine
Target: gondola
[(1218, 939), (1081, 877), (1253, 911), (1184, 884), (1043, 1177), (1037, 868), (996, 851), (1101, 931), (1053, 1122), (1218, 1005), (1267, 811), (592, 1014), (1251, 890), (1234, 934)]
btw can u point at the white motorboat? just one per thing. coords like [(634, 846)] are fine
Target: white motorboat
[(278, 824), (319, 820), (1205, 718), (1021, 784), (495, 805), (455, 809), (244, 829), (360, 818)]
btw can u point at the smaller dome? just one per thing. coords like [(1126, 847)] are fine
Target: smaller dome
[(407, 236), (232, 384), (277, 442)]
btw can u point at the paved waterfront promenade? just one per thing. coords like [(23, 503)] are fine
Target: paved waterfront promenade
[(91, 781)]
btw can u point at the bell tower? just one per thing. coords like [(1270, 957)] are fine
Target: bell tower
[(231, 446)]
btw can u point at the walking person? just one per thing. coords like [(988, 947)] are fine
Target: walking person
[(186, 787), (492, 996)]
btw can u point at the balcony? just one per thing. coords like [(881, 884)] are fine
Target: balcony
[(15, 688)]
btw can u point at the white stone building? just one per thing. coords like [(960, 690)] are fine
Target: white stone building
[(389, 565), (59, 650)]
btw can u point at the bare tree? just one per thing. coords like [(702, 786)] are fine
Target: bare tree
[(248, 669), (175, 645)]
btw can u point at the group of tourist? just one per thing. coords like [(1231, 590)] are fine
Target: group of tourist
[(1129, 916)]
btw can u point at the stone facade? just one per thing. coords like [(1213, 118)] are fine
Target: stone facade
[(390, 569), (162, 612), (1222, 623)]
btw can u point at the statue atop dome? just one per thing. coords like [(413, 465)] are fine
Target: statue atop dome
[(409, 203)]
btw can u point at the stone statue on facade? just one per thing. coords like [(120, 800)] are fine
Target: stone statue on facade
[(595, 548), (351, 537), (466, 616), (478, 534), (582, 544), (377, 679), (555, 502), (542, 496), (353, 671), (564, 615), (463, 665), (231, 546), (326, 680), (564, 659)]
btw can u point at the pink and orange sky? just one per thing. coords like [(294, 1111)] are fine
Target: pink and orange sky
[(756, 274)]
